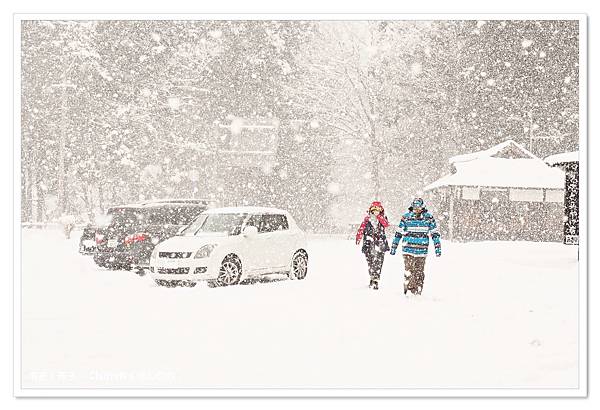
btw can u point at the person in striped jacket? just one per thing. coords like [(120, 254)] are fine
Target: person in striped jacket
[(414, 229)]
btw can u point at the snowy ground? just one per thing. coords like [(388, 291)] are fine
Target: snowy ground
[(493, 314)]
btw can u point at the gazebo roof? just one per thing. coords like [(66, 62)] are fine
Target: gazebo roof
[(506, 165)]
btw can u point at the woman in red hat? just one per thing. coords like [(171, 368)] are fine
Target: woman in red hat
[(375, 244)]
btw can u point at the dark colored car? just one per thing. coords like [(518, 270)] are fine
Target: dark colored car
[(87, 242), (134, 230)]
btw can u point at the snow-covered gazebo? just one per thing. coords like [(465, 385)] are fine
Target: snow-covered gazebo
[(502, 193), (569, 162)]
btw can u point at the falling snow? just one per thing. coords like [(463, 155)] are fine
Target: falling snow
[(318, 117), (526, 43)]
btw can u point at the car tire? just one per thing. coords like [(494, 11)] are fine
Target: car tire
[(230, 271), (299, 265)]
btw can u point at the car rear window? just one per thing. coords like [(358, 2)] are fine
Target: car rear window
[(125, 217), (164, 215), (173, 215)]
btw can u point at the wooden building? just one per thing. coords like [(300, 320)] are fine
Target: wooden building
[(502, 193)]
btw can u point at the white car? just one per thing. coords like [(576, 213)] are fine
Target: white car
[(226, 245)]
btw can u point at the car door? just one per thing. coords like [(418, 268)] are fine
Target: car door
[(254, 254), (276, 242), (287, 241)]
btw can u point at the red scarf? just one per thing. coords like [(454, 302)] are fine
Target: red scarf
[(384, 222)]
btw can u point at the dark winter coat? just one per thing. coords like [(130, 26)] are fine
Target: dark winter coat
[(374, 236)]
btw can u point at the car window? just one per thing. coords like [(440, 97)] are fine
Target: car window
[(282, 224), (256, 221), (159, 216), (272, 223)]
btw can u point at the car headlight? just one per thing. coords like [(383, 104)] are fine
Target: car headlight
[(205, 251)]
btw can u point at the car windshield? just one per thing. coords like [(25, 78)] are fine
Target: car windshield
[(230, 224)]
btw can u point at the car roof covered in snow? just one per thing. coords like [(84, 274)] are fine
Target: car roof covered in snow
[(246, 210), (163, 203), (199, 201)]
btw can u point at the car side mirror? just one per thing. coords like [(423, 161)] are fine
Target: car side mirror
[(250, 232)]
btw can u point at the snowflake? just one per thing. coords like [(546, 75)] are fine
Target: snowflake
[(173, 103), (526, 43)]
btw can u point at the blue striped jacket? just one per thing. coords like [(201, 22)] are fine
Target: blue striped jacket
[(414, 232)]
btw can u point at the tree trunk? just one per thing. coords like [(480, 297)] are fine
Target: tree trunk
[(26, 200), (87, 198), (40, 204), (100, 197), (62, 136), (375, 163)]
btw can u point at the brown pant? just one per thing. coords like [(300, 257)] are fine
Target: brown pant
[(414, 275)]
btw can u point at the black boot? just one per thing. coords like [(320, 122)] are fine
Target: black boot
[(375, 285)]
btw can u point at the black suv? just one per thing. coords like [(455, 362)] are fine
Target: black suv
[(134, 230)]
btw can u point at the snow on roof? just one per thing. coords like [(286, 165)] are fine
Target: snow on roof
[(245, 210), (518, 151), (506, 165), (563, 157)]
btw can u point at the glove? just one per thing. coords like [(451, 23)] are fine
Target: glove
[(393, 251)]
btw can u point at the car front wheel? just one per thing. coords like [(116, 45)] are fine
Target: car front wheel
[(230, 271), (299, 266)]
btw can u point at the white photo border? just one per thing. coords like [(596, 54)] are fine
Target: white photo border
[(16, 282)]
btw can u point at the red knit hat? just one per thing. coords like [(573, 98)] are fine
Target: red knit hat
[(376, 204)]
